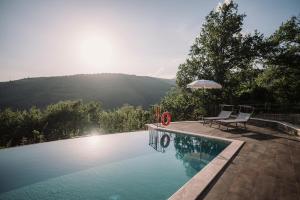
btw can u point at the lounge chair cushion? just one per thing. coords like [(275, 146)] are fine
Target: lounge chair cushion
[(242, 117), (232, 121), (222, 115), (214, 118)]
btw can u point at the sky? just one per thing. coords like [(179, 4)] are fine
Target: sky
[(149, 38)]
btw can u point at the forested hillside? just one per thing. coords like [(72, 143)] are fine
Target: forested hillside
[(112, 90)]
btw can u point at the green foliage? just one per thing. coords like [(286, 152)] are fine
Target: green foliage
[(126, 118), (223, 54), (281, 76), (10, 127), (66, 119), (183, 105), (251, 69)]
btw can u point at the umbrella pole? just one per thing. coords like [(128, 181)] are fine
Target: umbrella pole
[(203, 98), (203, 101)]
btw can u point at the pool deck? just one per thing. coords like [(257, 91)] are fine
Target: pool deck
[(266, 167)]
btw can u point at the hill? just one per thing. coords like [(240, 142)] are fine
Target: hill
[(113, 90)]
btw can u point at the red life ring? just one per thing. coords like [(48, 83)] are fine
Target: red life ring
[(163, 118)]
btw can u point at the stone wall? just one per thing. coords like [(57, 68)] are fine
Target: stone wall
[(290, 118), (278, 125)]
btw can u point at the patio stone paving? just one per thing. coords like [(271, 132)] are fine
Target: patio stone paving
[(266, 167)]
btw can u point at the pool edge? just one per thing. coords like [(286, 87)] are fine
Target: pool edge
[(197, 185)]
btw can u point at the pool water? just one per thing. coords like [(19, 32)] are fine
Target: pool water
[(138, 165)]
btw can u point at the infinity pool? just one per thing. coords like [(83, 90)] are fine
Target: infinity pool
[(138, 165)]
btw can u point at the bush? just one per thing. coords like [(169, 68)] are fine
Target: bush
[(183, 105), (126, 118), (65, 120)]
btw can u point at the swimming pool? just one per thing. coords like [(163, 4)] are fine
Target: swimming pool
[(150, 164)]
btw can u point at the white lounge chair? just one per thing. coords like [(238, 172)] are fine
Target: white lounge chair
[(242, 117), (224, 114)]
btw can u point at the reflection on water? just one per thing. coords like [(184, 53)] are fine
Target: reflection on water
[(140, 165), (160, 140), (194, 152)]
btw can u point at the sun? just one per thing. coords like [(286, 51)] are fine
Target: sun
[(96, 50)]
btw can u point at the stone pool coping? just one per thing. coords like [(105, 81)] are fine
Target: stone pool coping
[(196, 186)]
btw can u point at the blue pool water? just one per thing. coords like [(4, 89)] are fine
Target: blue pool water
[(138, 165)]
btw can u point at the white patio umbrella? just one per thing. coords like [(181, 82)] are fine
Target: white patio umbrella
[(204, 84)]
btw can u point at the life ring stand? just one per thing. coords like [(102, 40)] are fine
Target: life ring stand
[(162, 141), (164, 116)]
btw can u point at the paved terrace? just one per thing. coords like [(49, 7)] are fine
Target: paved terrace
[(266, 167)]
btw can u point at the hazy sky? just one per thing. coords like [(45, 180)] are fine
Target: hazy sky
[(150, 37)]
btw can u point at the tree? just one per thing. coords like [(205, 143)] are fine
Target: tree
[(183, 105), (126, 118), (65, 119), (281, 75), (223, 53), (94, 110), (31, 122), (10, 126)]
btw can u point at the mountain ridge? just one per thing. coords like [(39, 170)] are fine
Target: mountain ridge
[(112, 90)]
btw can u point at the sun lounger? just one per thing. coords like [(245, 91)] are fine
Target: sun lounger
[(241, 118), (222, 115)]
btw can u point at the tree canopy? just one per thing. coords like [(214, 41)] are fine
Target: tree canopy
[(281, 75), (252, 68), (67, 119), (222, 52)]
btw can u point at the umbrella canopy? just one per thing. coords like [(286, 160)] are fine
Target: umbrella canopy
[(204, 84)]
